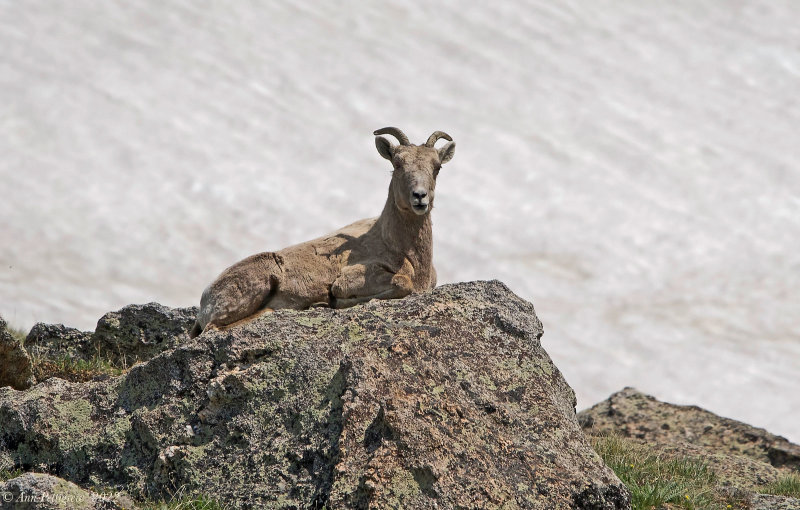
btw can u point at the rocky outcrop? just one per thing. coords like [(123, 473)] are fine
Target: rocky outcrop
[(53, 341), (134, 333), (16, 369), (139, 332), (441, 400), (743, 457), (37, 491), (634, 414)]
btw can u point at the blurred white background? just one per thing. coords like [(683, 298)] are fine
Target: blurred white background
[(629, 167)]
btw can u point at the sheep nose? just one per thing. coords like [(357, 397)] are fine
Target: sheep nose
[(419, 195)]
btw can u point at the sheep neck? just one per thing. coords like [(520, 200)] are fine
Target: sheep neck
[(407, 233)]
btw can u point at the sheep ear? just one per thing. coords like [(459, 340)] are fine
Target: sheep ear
[(446, 152), (384, 146)]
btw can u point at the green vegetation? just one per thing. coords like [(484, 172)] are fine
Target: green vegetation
[(17, 333), (786, 485), (8, 474), (75, 370), (65, 367), (186, 503), (657, 482)]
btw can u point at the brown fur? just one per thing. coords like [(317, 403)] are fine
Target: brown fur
[(379, 258)]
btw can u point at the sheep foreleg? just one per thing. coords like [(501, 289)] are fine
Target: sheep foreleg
[(361, 283)]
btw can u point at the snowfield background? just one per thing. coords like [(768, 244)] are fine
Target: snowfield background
[(629, 167)]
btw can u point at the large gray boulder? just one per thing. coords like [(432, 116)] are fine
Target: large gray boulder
[(441, 400), (16, 368)]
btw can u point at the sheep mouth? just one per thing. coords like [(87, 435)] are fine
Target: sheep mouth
[(420, 208)]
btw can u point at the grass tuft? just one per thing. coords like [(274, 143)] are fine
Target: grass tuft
[(17, 333), (65, 367), (786, 485), (74, 370), (658, 482)]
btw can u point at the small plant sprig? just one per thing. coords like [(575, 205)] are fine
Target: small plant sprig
[(8, 474)]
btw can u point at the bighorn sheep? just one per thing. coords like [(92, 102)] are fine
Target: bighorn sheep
[(379, 258)]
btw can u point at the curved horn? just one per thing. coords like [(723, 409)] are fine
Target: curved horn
[(435, 136), (395, 133)]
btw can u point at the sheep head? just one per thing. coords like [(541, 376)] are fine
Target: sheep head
[(415, 168)]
